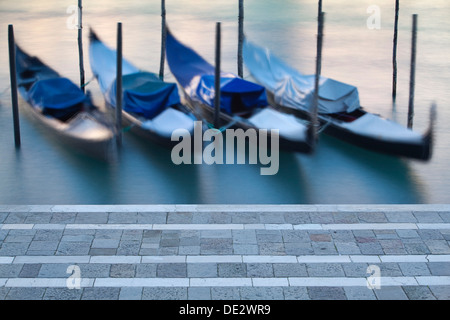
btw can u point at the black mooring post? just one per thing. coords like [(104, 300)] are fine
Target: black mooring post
[(319, 16), (314, 121), (217, 79), (80, 43), (394, 53), (163, 39), (119, 86), (241, 39), (412, 78), (13, 77)]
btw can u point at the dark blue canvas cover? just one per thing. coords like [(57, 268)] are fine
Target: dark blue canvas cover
[(196, 76), (145, 94), (55, 93)]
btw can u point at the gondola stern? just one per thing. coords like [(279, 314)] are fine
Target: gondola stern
[(93, 37), (312, 137), (428, 137)]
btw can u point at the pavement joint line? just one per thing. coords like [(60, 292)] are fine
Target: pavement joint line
[(438, 258), (163, 259), (365, 259), (269, 259), (408, 258), (51, 259), (141, 282), (17, 226), (112, 259), (230, 226), (220, 282), (433, 280), (6, 260), (324, 259), (326, 282), (227, 226), (44, 282), (49, 226), (228, 208), (433, 226), (215, 259), (402, 281), (270, 282), (115, 259), (370, 226)]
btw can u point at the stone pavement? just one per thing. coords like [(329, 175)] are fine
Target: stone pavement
[(216, 252)]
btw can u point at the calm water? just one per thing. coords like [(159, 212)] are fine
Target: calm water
[(43, 172)]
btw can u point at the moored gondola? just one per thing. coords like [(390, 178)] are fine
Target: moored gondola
[(63, 108), (339, 110), (243, 104), (151, 107)]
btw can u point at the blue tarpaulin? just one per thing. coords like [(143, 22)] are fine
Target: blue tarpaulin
[(143, 92), (56, 93), (294, 89), (196, 76)]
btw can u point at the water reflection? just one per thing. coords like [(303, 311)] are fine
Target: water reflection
[(236, 183), (168, 182), (94, 181), (361, 169), (44, 172)]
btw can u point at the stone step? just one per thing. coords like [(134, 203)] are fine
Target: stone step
[(209, 252)]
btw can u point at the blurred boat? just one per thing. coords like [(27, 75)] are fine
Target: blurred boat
[(243, 104), (63, 108), (339, 110), (151, 107)]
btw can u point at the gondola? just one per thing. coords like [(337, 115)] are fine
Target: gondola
[(151, 107), (339, 111), (243, 104), (63, 108)]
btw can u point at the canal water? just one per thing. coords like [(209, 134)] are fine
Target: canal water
[(357, 50)]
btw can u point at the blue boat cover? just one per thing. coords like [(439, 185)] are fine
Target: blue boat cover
[(143, 92), (196, 76), (294, 89), (55, 93)]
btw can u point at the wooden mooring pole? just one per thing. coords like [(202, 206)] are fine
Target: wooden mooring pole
[(241, 39), (163, 39), (319, 30), (314, 121), (217, 79), (119, 86), (13, 77), (80, 43), (412, 78), (394, 54)]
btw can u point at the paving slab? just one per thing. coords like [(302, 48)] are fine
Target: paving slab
[(232, 252)]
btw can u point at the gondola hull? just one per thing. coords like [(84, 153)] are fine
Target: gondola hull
[(86, 131), (419, 151), (339, 111), (243, 104), (102, 148), (151, 107), (134, 125), (226, 121)]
